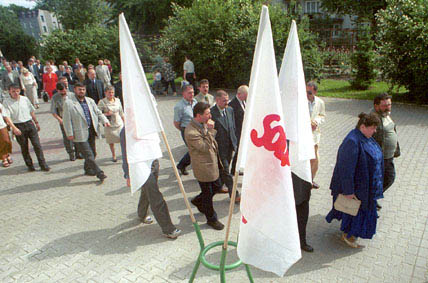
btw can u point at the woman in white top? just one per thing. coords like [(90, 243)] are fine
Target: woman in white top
[(5, 143), (30, 86)]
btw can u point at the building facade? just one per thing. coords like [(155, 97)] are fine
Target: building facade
[(39, 22)]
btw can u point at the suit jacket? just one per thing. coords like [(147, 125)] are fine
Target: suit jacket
[(74, 120), (34, 70), (40, 70), (318, 115), (203, 152), (95, 92), (225, 127), (239, 116), (103, 73), (6, 82)]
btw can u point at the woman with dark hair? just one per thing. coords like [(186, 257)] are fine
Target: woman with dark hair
[(358, 174)]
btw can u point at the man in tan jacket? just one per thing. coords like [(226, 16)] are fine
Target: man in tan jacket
[(203, 150)]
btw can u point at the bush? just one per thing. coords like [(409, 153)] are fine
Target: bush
[(363, 60), (89, 45), (220, 36), (403, 39), (337, 62)]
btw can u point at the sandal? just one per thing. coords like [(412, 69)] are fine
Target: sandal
[(10, 160), (6, 163), (351, 241)]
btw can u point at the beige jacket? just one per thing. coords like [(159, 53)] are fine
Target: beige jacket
[(318, 116)]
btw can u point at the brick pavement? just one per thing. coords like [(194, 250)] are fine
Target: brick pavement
[(62, 226)]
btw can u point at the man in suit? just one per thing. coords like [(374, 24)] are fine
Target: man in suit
[(9, 77), (94, 87), (61, 71), (203, 150), (238, 105), (203, 95), (80, 120), (224, 119), (103, 73), (40, 69), (317, 114)]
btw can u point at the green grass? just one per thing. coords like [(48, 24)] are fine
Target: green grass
[(342, 89), (149, 77)]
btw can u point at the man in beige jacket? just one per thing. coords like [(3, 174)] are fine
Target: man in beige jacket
[(203, 150), (317, 113)]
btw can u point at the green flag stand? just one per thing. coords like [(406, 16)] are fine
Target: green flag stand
[(204, 249)]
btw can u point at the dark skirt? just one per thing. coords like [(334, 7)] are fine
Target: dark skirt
[(5, 143)]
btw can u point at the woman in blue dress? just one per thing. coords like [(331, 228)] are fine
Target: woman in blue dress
[(358, 173)]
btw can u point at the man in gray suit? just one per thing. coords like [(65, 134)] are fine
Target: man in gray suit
[(9, 77), (103, 73), (80, 120)]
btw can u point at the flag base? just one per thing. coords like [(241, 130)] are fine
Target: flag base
[(222, 267)]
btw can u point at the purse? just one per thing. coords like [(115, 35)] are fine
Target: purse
[(346, 205), (45, 96)]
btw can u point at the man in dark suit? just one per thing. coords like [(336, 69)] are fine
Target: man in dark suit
[(238, 105), (94, 87), (40, 69), (224, 119), (118, 90)]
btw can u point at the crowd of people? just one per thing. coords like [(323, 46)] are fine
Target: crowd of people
[(88, 105)]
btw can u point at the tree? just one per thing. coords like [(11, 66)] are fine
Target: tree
[(403, 38), (14, 43), (220, 36), (363, 61), (89, 44), (78, 13), (146, 16)]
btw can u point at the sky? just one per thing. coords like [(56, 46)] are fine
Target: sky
[(24, 3)]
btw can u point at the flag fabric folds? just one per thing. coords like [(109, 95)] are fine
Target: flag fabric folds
[(142, 121), (295, 106), (268, 236)]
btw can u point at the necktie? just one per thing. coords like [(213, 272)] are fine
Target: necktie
[(206, 99), (243, 103)]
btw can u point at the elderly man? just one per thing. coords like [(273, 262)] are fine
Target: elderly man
[(317, 114), (224, 119), (103, 73), (183, 114), (203, 149), (57, 111), (80, 120), (94, 87), (203, 95), (238, 105), (386, 137), (9, 77), (19, 115)]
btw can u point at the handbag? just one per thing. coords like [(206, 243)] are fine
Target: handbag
[(45, 96), (346, 205)]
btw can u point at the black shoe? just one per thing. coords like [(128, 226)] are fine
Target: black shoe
[(101, 176), (79, 156), (45, 168), (90, 173), (217, 225), (72, 157), (31, 168), (183, 171), (307, 248), (378, 207)]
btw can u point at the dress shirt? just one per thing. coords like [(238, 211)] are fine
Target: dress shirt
[(19, 111), (86, 111), (183, 112)]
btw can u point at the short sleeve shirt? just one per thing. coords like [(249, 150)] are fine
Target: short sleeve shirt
[(189, 67), (57, 103), (183, 112), (19, 111)]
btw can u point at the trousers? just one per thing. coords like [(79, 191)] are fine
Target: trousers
[(204, 201), (68, 144), (150, 195), (388, 173), (185, 160), (29, 132), (88, 151), (302, 211)]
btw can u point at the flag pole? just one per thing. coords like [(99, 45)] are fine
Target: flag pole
[(231, 206), (177, 175)]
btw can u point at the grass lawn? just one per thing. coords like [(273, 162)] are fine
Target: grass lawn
[(149, 77), (342, 89)]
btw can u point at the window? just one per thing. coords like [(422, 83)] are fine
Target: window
[(312, 7), (45, 29), (42, 18)]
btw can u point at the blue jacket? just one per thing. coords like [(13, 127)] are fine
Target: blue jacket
[(359, 169)]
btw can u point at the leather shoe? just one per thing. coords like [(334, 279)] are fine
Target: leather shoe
[(79, 156), (101, 176), (223, 190), (217, 225), (306, 248), (315, 186), (183, 171), (31, 168), (90, 173), (45, 168)]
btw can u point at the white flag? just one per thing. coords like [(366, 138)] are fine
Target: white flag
[(142, 122), (295, 105), (268, 236)]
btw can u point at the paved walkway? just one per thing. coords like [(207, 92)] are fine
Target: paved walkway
[(62, 226)]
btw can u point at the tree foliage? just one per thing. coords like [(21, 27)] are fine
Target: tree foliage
[(88, 44), (403, 38), (363, 60), (220, 36), (77, 14), (146, 16), (364, 9), (14, 43)]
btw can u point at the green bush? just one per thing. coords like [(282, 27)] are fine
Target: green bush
[(363, 60), (220, 36), (403, 39), (89, 45)]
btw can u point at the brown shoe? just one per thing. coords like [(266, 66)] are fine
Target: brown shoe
[(238, 199), (223, 190), (315, 186)]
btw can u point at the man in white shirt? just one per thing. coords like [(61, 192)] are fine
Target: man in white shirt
[(19, 115), (189, 71), (317, 114)]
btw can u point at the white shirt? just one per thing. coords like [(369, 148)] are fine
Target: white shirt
[(19, 111), (2, 122), (189, 67)]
